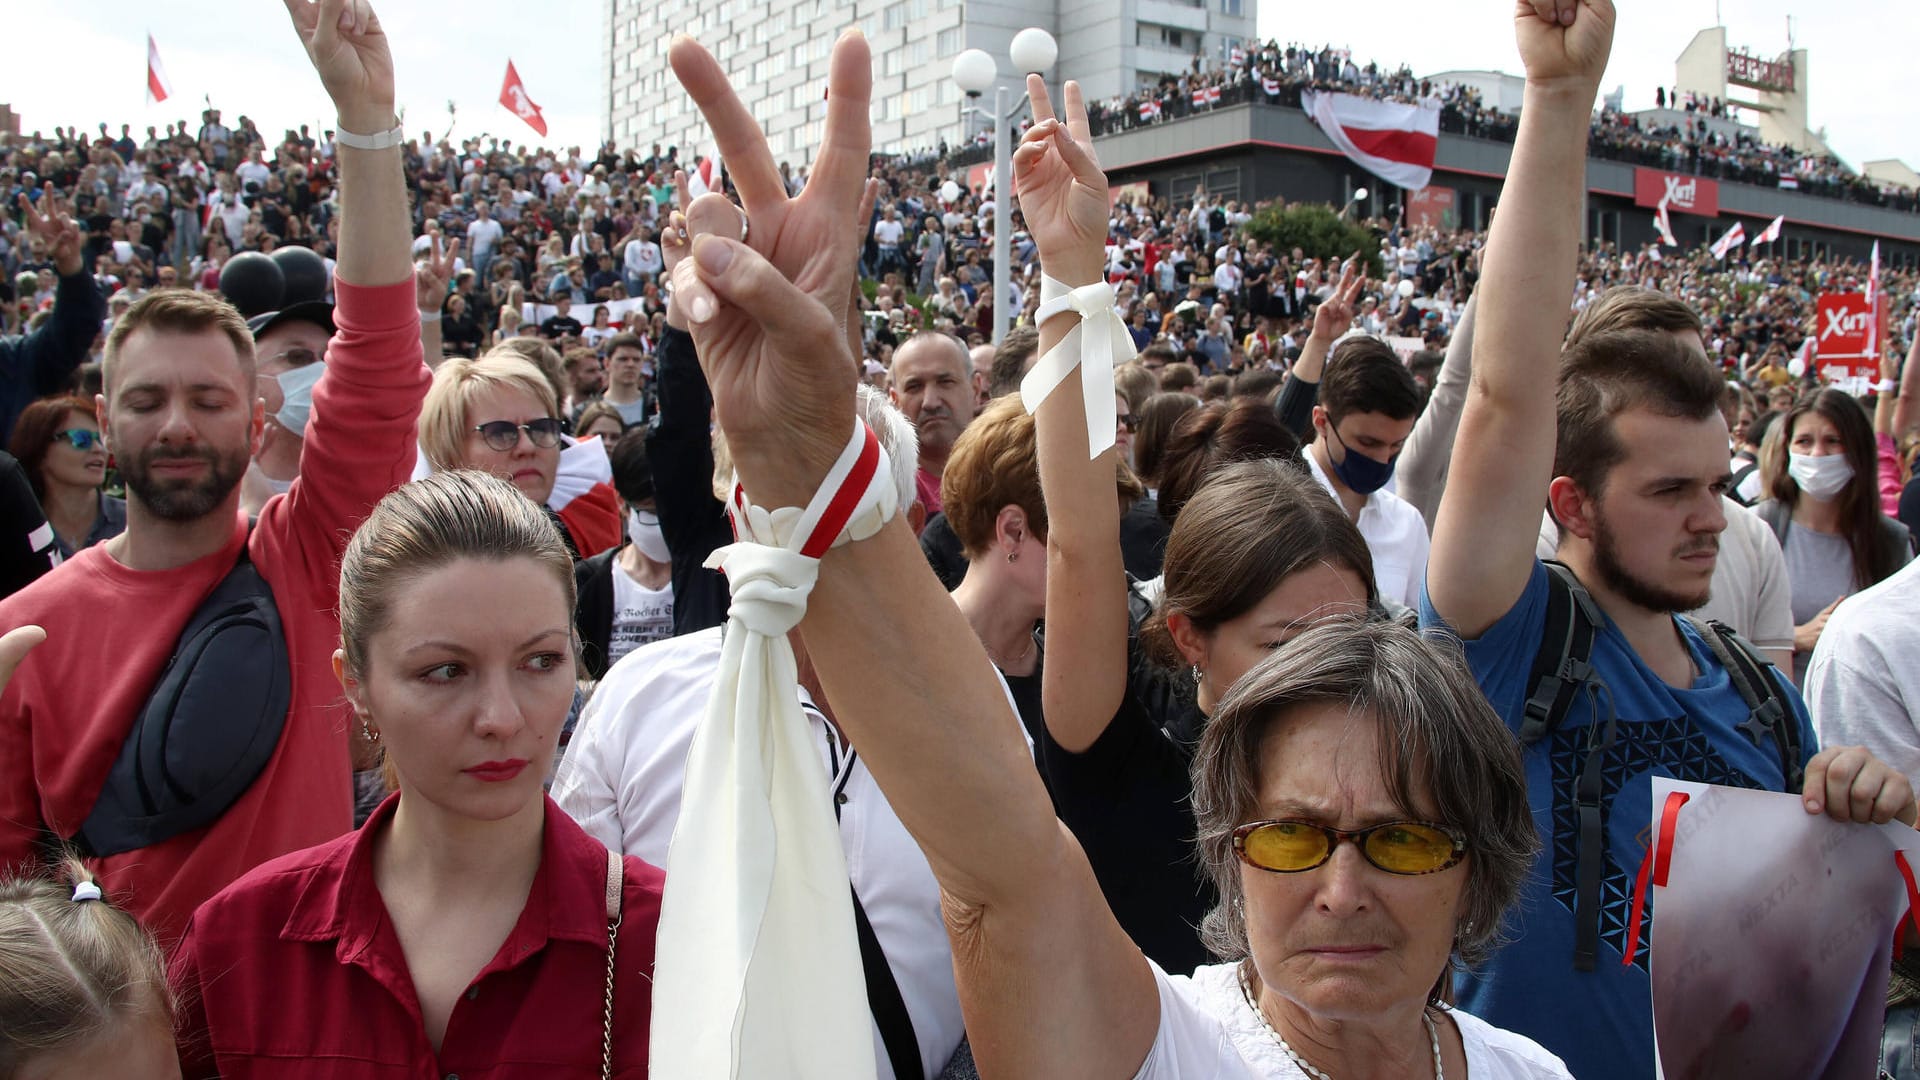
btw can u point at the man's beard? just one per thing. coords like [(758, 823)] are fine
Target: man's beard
[(1616, 577), (178, 500)]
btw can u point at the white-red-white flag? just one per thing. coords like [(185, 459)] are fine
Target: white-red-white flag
[(704, 176), (1771, 233), (513, 94), (1664, 226), (157, 87), (1149, 110), (1393, 141), (1731, 239)]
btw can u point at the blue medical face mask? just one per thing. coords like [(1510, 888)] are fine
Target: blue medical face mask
[(1362, 474)]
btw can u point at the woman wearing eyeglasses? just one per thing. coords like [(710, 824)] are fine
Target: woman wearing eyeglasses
[(496, 414), (1362, 812), (58, 443)]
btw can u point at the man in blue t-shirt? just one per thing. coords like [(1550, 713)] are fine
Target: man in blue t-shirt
[(1629, 450)]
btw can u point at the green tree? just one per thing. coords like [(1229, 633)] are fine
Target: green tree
[(1317, 231)]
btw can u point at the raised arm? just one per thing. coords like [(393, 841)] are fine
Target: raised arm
[(430, 281), (42, 362), (1334, 317), (911, 684), (1063, 196), (1423, 462), (1503, 460), (344, 40), (1903, 408)]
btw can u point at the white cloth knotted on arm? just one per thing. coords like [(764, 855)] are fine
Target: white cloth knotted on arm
[(757, 964), (1096, 346)]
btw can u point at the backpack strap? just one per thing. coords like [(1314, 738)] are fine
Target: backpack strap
[(1561, 669), (1740, 477), (1562, 664), (1767, 712)]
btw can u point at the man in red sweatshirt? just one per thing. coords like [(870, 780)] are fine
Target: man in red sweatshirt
[(182, 415)]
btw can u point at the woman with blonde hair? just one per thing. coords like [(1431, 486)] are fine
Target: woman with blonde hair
[(469, 926), (499, 414)]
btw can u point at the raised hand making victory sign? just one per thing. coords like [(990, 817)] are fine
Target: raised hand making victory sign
[(781, 377)]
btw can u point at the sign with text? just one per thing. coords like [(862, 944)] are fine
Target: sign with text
[(1845, 344), (1746, 69), (1434, 207), (1682, 194)]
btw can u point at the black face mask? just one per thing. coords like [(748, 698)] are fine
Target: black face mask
[(1362, 474)]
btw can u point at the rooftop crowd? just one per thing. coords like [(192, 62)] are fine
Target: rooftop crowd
[(448, 630), (1679, 140)]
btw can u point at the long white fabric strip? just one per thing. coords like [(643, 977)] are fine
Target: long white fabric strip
[(1095, 346), (757, 965)]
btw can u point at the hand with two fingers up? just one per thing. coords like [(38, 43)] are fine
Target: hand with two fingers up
[(768, 313)]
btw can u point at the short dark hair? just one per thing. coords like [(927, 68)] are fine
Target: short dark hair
[(1179, 376), (1364, 375), (1257, 383), (1605, 374), (1010, 360), (632, 473), (623, 340)]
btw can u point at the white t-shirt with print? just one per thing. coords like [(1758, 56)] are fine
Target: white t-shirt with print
[(1209, 1032), (640, 614)]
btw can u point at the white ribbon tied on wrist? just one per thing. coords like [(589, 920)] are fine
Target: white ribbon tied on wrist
[(1096, 347), (757, 965)]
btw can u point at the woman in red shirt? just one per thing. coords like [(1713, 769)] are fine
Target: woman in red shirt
[(466, 929)]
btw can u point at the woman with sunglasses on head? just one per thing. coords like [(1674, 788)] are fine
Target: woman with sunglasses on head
[(469, 927), (58, 442), (498, 414), (1348, 731)]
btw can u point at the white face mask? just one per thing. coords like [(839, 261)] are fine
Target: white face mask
[(1822, 477), (643, 528)]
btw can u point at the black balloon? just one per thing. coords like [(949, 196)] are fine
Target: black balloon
[(305, 274), (253, 283)]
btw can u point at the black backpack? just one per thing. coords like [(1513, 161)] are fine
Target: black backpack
[(210, 726), (1562, 669)]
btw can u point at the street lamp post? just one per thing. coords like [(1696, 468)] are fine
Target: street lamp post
[(974, 70)]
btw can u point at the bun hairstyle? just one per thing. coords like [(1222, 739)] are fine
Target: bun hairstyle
[(72, 966)]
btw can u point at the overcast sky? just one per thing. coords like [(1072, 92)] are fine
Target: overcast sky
[(85, 62)]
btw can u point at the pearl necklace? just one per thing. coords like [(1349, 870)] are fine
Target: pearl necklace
[(1246, 991)]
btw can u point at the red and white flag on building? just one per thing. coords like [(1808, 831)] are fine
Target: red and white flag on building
[(1149, 110), (1771, 233), (1213, 95), (157, 88), (514, 96), (1199, 97), (1271, 86), (1664, 226), (1790, 183), (1731, 239), (1237, 56), (1393, 141), (705, 175)]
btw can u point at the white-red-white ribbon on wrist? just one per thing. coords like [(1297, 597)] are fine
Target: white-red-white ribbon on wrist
[(1095, 346), (757, 918)]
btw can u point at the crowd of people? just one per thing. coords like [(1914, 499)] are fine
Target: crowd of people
[(372, 696), (1273, 74)]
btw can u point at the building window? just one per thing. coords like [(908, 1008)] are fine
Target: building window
[(1230, 7), (896, 16), (948, 43)]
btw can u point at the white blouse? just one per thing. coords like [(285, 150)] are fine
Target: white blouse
[(1209, 1032)]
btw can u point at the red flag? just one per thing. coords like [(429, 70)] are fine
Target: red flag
[(514, 96), (157, 88)]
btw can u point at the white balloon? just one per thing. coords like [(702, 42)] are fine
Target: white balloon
[(1406, 289), (949, 191)]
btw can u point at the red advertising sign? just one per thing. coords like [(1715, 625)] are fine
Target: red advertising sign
[(1682, 194), (1846, 343), (1433, 207)]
